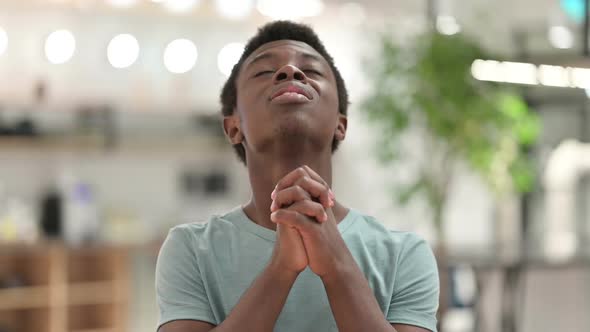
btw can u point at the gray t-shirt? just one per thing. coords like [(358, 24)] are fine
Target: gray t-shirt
[(204, 268)]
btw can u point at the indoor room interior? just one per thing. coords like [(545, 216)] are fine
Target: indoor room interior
[(468, 124)]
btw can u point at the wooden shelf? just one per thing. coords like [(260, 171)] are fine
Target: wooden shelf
[(93, 145), (99, 292), (92, 317), (73, 289), (24, 298), (26, 320)]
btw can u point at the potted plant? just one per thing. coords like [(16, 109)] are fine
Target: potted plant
[(427, 88)]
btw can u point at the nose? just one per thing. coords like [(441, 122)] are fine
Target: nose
[(289, 73)]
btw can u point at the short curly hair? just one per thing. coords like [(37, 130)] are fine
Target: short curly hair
[(279, 30)]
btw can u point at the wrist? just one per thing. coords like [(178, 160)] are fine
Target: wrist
[(279, 272), (342, 266), (340, 274)]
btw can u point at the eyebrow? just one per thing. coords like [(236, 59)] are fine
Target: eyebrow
[(270, 55)]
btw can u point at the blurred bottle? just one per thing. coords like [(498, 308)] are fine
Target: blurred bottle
[(81, 219), (17, 220), (23, 213), (52, 213), (7, 227)]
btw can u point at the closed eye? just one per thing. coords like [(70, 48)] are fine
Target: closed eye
[(312, 71), (264, 72)]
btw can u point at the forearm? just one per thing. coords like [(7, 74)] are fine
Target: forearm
[(259, 307), (353, 304)]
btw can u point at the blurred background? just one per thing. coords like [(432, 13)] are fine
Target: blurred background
[(468, 125)]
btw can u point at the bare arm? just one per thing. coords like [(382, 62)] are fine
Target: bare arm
[(354, 306), (267, 295), (351, 299), (353, 303), (260, 305)]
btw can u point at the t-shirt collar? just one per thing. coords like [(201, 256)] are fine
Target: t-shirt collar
[(241, 220)]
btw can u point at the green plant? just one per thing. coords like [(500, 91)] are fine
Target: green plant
[(428, 88)]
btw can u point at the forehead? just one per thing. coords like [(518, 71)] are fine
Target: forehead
[(284, 46)]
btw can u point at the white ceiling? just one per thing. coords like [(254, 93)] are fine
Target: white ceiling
[(89, 76)]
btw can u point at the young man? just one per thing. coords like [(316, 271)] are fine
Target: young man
[(293, 258)]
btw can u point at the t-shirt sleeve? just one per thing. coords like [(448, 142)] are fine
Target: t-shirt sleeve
[(180, 291), (416, 288)]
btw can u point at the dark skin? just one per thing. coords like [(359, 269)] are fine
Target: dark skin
[(288, 143)]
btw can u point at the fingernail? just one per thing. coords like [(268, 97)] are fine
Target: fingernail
[(273, 206), (325, 217), (273, 195), (331, 203), (331, 194)]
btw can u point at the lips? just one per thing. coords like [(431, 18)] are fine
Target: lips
[(292, 88)]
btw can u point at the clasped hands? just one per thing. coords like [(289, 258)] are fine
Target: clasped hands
[(307, 230)]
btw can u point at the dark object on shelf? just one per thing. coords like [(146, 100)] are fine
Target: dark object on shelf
[(25, 127), (215, 183), (212, 183), (101, 120), (12, 281), (52, 213), (207, 124)]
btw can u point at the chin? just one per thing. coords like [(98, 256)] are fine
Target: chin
[(295, 135), (291, 129)]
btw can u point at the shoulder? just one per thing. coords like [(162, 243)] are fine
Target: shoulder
[(192, 238), (402, 247), (409, 241), (368, 225), (215, 225)]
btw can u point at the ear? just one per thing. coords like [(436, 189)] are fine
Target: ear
[(340, 131), (231, 127)]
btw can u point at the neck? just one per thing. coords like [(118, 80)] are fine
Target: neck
[(266, 171)]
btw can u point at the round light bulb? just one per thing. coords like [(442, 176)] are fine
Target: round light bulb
[(122, 3), (123, 51), (180, 56), (228, 56), (447, 25), (561, 37), (60, 46)]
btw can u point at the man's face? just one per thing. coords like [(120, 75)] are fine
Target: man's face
[(287, 91)]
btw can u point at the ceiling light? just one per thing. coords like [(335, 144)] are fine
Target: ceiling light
[(60, 46), (229, 56), (519, 72), (290, 9), (180, 56), (447, 25), (122, 3), (123, 51), (554, 76), (561, 37), (234, 9), (486, 70), (580, 78)]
